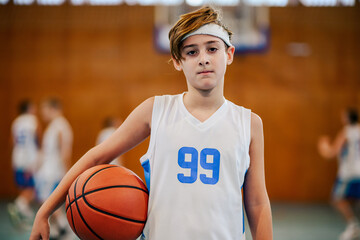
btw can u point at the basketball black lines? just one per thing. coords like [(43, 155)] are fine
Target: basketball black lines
[(104, 188), (82, 218), (72, 217), (88, 204)]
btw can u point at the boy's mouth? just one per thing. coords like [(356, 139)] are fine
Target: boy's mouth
[(205, 72)]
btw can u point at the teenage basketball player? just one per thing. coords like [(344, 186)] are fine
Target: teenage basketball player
[(347, 186), (25, 138), (55, 157), (203, 148)]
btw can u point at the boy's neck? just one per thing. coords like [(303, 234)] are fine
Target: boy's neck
[(203, 99), (202, 105), (55, 115)]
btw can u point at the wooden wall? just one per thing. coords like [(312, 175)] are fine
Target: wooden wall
[(101, 61)]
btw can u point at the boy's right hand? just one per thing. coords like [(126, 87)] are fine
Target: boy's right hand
[(41, 228), (324, 146)]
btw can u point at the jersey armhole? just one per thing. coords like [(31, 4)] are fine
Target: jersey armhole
[(155, 119), (247, 131)]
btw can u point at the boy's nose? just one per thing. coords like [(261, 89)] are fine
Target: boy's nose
[(203, 63), (203, 59)]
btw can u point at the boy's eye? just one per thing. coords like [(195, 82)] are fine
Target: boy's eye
[(213, 49), (191, 52)]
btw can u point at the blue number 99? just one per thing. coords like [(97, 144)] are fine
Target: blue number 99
[(192, 164)]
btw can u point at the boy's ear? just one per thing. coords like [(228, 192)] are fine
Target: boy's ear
[(230, 54), (177, 64)]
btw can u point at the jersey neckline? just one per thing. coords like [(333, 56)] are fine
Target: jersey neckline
[(196, 122)]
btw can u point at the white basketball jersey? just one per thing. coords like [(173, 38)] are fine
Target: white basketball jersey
[(195, 172), (349, 159), (53, 167), (25, 141)]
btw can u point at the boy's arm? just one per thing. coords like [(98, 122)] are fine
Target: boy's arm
[(38, 134), (331, 150), (133, 131), (38, 141), (256, 200)]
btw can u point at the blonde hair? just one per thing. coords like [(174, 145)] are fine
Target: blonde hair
[(190, 22)]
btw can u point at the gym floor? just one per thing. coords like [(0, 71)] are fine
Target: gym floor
[(291, 222)]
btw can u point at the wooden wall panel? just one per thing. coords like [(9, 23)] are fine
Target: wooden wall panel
[(101, 61)]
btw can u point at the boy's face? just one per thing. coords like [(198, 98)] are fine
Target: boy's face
[(204, 61), (32, 109), (46, 112)]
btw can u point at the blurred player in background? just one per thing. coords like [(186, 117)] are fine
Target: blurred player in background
[(56, 154), (25, 132), (110, 125), (346, 146)]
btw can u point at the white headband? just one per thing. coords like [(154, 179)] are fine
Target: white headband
[(213, 30)]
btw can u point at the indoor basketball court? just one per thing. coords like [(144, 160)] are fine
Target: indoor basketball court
[(296, 65)]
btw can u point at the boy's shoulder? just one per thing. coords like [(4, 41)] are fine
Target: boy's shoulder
[(166, 98), (255, 118), (24, 119), (169, 96), (237, 106)]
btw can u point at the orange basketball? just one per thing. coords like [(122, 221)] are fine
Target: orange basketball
[(107, 202)]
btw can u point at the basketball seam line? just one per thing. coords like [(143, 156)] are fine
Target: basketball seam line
[(72, 217), (77, 206), (104, 188), (75, 198), (99, 210)]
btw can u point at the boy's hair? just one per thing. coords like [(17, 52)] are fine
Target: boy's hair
[(53, 103), (191, 22), (108, 122), (24, 106), (352, 116)]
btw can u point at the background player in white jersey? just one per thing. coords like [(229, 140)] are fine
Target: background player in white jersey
[(346, 146), (202, 167), (110, 125), (56, 154), (25, 132)]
